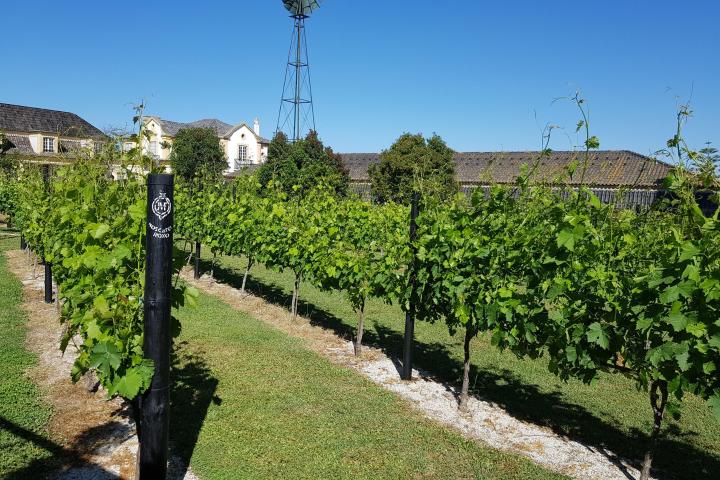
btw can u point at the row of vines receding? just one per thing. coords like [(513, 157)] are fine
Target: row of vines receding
[(87, 219), (545, 272)]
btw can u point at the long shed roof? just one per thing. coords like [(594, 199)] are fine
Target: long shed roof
[(607, 168)]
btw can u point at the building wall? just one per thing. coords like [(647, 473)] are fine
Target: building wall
[(36, 141), (255, 151), (243, 135), (157, 135)]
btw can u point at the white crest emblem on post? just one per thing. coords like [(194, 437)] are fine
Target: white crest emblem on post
[(161, 206)]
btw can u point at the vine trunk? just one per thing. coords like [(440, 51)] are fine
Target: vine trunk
[(469, 334), (245, 277), (658, 404), (360, 330), (296, 295)]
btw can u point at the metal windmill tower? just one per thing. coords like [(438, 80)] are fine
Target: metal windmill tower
[(297, 114)]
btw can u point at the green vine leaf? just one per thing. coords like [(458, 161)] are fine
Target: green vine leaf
[(596, 334), (105, 357), (566, 238), (100, 231), (592, 143)]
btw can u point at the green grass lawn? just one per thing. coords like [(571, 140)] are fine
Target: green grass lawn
[(251, 402), (611, 413), (24, 443)]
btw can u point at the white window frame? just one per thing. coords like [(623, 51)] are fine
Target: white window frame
[(243, 153), (154, 148), (48, 145), (243, 157)]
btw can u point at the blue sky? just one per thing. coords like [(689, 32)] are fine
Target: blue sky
[(481, 74)]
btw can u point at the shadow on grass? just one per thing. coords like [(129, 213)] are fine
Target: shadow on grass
[(503, 387), (192, 391), (277, 296)]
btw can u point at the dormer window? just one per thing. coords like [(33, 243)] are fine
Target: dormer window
[(48, 145)]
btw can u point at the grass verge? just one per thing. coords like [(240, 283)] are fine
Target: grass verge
[(23, 415), (610, 414), (252, 402)]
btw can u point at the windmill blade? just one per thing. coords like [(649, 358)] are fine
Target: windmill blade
[(301, 7)]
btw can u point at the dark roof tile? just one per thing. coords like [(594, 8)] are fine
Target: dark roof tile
[(171, 128), (20, 144), (17, 118)]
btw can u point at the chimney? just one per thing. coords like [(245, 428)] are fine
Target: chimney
[(256, 127)]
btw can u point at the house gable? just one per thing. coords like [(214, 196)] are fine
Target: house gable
[(241, 143)]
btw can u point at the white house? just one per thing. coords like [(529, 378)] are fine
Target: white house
[(243, 145)]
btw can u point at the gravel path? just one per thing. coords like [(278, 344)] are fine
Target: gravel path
[(97, 435), (494, 426), (484, 421)]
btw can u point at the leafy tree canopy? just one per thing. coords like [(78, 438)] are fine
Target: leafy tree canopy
[(414, 162), (300, 166), (197, 152), (706, 164)]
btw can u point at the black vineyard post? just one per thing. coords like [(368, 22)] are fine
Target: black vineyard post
[(410, 314), (23, 243), (48, 266), (155, 419), (48, 283), (197, 260)]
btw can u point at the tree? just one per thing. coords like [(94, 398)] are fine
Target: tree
[(706, 164), (411, 163), (197, 152), (279, 146), (299, 167)]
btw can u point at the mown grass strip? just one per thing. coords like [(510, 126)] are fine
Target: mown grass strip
[(611, 414), (24, 417), (251, 402)]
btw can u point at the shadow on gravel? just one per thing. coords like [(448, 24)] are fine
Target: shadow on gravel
[(527, 402), (192, 391), (502, 387), (67, 463), (52, 467)]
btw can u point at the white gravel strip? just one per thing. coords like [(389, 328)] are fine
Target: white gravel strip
[(120, 441), (496, 427)]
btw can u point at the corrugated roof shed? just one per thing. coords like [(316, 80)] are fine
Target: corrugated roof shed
[(604, 168)]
